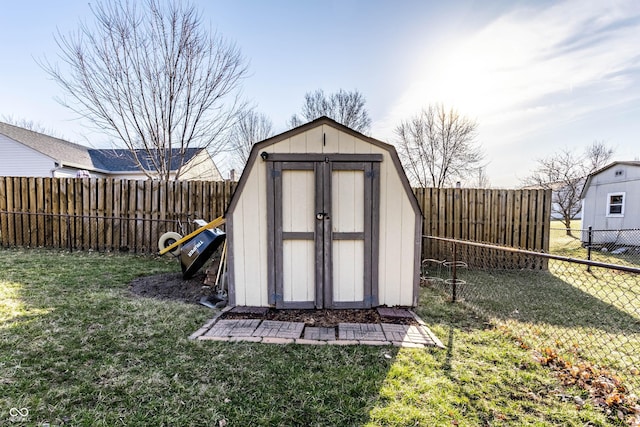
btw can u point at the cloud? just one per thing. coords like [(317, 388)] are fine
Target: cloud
[(549, 64)]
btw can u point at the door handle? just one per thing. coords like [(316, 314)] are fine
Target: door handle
[(322, 215)]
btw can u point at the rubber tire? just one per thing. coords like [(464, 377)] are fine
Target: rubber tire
[(169, 238)]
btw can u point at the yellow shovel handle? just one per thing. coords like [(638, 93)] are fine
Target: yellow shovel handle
[(213, 224)]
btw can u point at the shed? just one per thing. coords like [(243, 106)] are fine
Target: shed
[(323, 217), (611, 202)]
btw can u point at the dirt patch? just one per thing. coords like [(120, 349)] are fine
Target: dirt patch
[(171, 286)]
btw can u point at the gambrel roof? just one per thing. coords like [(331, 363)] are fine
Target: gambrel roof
[(587, 183), (324, 120)]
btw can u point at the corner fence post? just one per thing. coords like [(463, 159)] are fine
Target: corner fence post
[(589, 242), (454, 273)]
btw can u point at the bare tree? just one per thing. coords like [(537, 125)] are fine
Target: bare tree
[(153, 78), (479, 178), (438, 146), (597, 155), (344, 107), (30, 125), (564, 173), (250, 128)]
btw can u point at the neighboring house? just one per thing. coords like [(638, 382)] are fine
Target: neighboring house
[(611, 201), (29, 153)]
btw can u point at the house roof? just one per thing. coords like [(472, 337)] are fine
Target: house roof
[(123, 160), (55, 148), (81, 157), (599, 171)]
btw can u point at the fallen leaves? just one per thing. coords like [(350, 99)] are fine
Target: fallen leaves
[(605, 389)]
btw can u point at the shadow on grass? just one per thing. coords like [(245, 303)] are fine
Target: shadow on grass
[(75, 349), (543, 298), (300, 385)]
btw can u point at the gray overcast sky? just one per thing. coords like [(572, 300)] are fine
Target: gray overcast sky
[(538, 76)]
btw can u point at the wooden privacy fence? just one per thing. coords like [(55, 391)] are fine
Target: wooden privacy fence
[(515, 218), (103, 214), (130, 215)]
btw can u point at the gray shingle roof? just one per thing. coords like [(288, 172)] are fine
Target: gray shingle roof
[(56, 148), (122, 160)]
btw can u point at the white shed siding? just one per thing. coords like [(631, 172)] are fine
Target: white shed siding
[(397, 236), (407, 231), (249, 240), (397, 221), (595, 200), (20, 160)]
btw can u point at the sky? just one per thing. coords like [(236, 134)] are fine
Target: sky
[(537, 76)]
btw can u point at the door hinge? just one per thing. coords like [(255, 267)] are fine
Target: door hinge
[(275, 173)]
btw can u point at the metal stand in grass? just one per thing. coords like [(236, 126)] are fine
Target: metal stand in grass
[(453, 268), (427, 268)]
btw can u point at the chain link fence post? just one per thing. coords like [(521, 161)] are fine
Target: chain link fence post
[(589, 243)]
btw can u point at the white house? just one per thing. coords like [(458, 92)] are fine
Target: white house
[(323, 217), (611, 202), (33, 154)]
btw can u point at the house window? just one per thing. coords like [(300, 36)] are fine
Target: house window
[(615, 204)]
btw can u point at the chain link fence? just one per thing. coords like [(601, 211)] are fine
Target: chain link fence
[(618, 246), (585, 311)]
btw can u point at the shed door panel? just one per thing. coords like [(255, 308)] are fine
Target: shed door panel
[(298, 200), (348, 233), (298, 279), (348, 268), (297, 239)]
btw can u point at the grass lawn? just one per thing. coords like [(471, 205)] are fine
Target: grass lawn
[(571, 246), (77, 349), (591, 316)]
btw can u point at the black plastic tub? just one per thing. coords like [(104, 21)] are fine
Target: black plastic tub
[(196, 251)]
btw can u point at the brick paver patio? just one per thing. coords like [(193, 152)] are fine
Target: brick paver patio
[(315, 333), (360, 331), (233, 328), (277, 332), (408, 334), (273, 328)]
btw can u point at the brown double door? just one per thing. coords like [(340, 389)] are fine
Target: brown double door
[(323, 223)]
